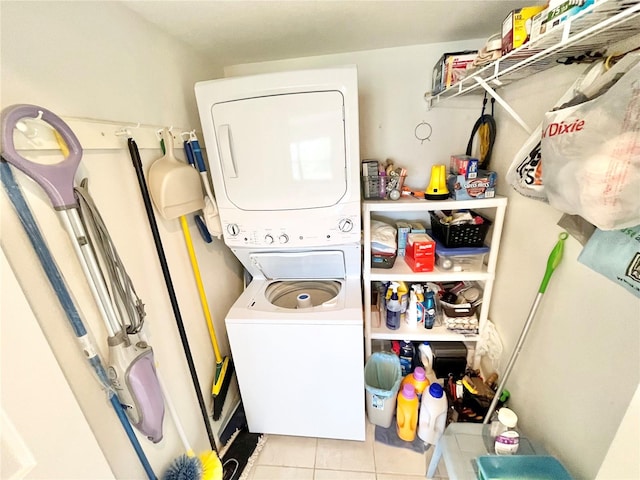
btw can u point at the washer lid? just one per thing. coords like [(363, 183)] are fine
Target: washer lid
[(279, 265)]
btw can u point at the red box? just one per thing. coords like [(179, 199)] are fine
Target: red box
[(420, 245), (420, 252), (424, 264)]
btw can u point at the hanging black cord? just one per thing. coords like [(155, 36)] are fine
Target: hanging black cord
[(137, 164), (490, 121)]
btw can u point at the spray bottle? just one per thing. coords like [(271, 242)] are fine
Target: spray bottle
[(412, 311), (426, 359), (393, 308), (420, 314)]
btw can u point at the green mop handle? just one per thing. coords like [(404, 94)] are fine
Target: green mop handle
[(554, 260)]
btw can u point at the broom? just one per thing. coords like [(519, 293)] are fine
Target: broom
[(224, 367)]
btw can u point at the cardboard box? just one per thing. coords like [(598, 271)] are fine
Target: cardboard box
[(516, 27), (450, 67), (420, 253), (556, 14), (483, 186), (420, 245), (421, 264), (403, 229), (417, 227), (456, 68), (464, 165)]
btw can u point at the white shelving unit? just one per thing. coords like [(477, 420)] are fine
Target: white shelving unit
[(374, 326), (594, 30)]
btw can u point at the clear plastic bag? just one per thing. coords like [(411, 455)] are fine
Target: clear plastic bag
[(382, 374), (525, 171), (591, 151)]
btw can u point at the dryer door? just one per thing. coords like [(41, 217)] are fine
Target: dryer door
[(282, 152)]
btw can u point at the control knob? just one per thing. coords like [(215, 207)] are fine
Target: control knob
[(284, 238), (345, 225), (233, 229), (268, 239)]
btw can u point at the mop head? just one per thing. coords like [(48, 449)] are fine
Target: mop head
[(185, 468)]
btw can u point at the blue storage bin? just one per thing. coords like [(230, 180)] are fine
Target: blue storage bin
[(516, 467)]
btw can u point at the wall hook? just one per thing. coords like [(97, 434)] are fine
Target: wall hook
[(423, 132)]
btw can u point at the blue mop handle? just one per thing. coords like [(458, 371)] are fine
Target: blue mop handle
[(64, 297)]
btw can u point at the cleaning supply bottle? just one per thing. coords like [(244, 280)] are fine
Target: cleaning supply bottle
[(426, 358), (406, 357), (429, 309), (393, 308), (418, 379), (508, 439), (419, 304), (407, 413), (412, 310), (433, 414)]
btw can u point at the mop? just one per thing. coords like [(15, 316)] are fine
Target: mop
[(66, 301), (131, 364), (553, 261)]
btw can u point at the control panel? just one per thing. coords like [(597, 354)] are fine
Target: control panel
[(302, 232)]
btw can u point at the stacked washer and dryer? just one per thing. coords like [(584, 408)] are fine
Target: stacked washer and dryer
[(283, 152)]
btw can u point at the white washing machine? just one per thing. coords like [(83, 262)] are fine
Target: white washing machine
[(284, 160)]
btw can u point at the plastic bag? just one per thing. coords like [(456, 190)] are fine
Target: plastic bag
[(591, 152), (382, 374), (616, 255), (525, 171)]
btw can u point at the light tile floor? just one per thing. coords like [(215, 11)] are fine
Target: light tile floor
[(301, 458)]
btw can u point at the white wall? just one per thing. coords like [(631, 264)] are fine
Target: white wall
[(581, 363), (80, 59), (623, 458)]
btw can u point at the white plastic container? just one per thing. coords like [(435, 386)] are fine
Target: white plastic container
[(426, 357), (507, 437), (433, 414)]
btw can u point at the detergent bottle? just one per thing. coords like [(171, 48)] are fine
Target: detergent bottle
[(393, 308), (429, 309), (407, 413), (407, 352), (433, 414), (418, 379), (426, 358)]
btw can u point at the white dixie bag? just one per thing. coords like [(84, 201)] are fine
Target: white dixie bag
[(591, 151), (525, 171)]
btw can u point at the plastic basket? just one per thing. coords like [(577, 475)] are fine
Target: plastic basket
[(379, 187), (452, 236)]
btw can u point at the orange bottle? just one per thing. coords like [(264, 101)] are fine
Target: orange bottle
[(418, 379), (407, 413)]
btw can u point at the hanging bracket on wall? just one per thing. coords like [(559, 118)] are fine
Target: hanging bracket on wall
[(504, 104)]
